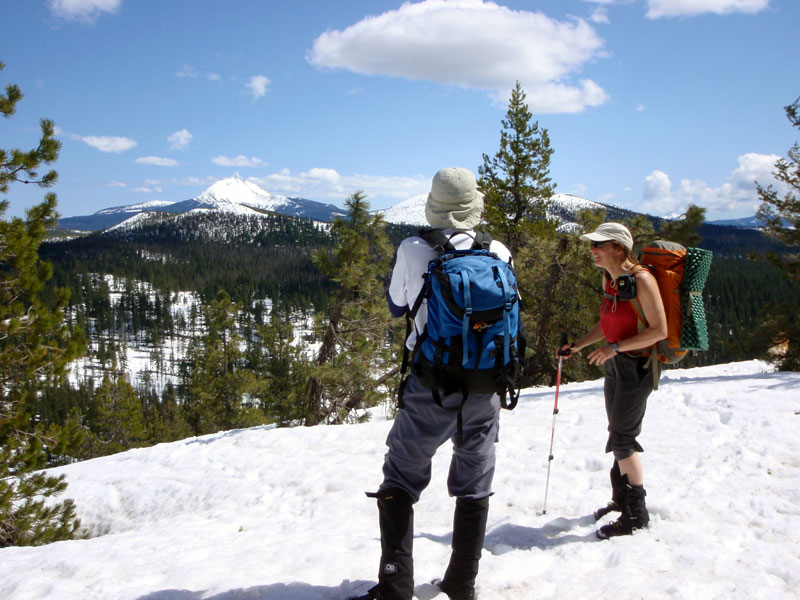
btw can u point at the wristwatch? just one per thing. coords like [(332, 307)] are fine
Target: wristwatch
[(615, 347)]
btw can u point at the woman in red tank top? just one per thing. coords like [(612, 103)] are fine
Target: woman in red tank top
[(628, 382)]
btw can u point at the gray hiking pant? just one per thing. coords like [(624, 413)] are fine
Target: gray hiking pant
[(627, 386), (422, 426)]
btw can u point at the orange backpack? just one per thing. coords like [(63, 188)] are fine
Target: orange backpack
[(681, 275)]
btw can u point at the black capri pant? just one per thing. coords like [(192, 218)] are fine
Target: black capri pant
[(627, 386)]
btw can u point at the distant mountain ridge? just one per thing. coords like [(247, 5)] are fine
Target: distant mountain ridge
[(230, 195), (749, 222), (562, 207), (238, 196)]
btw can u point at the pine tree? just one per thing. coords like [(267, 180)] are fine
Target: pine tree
[(685, 228), (516, 180), (218, 382), (355, 359), (780, 216), (166, 420), (35, 347), (570, 305), (517, 189), (281, 369), (120, 423)]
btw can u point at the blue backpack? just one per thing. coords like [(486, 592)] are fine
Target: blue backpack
[(473, 340)]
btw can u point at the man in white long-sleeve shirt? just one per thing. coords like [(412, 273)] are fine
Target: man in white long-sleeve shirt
[(454, 206)]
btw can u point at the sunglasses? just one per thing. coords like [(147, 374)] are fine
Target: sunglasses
[(600, 244)]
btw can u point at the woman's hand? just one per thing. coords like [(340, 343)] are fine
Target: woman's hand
[(566, 350), (601, 355), (595, 335)]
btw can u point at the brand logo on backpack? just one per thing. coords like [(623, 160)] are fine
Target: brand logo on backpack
[(473, 340)]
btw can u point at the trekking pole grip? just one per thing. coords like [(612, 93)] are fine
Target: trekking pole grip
[(561, 344)]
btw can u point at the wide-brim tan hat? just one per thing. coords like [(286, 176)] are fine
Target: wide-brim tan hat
[(454, 201), (616, 232)]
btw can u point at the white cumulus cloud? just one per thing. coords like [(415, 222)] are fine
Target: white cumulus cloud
[(559, 98), (238, 161), (327, 184), (156, 161), (83, 10), (107, 143), (473, 44), (736, 196), (258, 85), (179, 140), (690, 8), (656, 189)]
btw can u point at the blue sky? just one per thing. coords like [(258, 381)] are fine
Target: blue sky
[(650, 104)]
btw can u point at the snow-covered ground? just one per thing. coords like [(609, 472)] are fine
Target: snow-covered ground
[(280, 514)]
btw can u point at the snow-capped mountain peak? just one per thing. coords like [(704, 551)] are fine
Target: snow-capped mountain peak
[(235, 190), (232, 194)]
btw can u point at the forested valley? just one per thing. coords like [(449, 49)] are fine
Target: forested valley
[(156, 303)]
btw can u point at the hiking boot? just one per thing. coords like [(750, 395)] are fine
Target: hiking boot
[(604, 510), (634, 514), (396, 572), (469, 529), (617, 494), (464, 594)]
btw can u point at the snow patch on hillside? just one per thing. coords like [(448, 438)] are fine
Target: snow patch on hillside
[(154, 364), (142, 206)]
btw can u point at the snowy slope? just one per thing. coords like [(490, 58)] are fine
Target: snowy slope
[(280, 514), (135, 208), (407, 212)]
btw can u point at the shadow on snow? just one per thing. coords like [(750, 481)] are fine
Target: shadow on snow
[(505, 538), (275, 591)]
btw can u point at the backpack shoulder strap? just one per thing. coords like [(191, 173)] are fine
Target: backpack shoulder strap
[(635, 304), (483, 240), (437, 240)]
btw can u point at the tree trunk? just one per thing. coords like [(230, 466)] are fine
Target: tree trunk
[(315, 412), (540, 366)]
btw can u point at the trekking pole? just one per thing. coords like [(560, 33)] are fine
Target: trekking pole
[(553, 429)]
